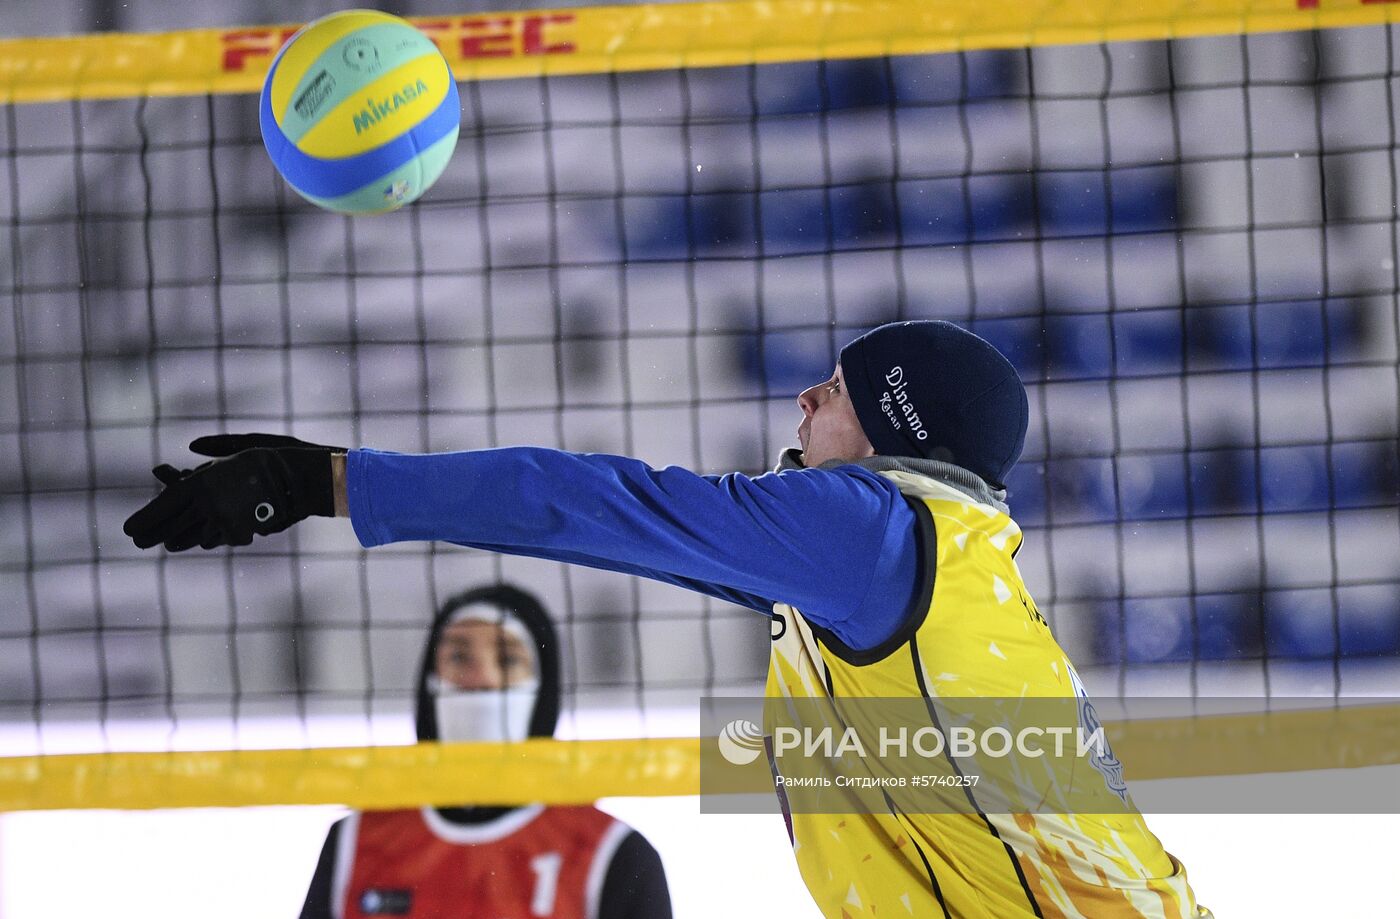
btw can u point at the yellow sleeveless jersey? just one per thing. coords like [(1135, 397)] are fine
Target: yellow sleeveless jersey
[(974, 632)]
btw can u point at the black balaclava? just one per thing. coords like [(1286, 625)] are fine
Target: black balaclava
[(526, 609)]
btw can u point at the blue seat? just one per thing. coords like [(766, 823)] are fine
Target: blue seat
[(1150, 487), (1091, 345), (1359, 621), (934, 212), (810, 86), (1017, 337), (1157, 629), (933, 79), (1001, 206), (959, 210), (1151, 630), (1227, 626), (723, 224), (781, 89), (1144, 199), (1078, 345), (1081, 490), (1364, 474), (1222, 481), (1219, 337), (1289, 334), (794, 221), (1293, 479), (1072, 203), (655, 227), (862, 215), (786, 361), (857, 83), (1369, 618), (1025, 487), (1076, 202), (1147, 341), (662, 227), (1299, 624), (1142, 630)]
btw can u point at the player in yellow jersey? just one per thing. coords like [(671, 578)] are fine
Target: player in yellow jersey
[(973, 631), (883, 550)]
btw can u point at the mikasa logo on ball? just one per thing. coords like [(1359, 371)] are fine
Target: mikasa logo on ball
[(374, 112)]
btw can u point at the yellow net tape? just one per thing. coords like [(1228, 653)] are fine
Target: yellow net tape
[(561, 772), (654, 37), (594, 40), (571, 772)]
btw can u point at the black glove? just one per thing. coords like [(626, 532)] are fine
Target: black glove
[(260, 483)]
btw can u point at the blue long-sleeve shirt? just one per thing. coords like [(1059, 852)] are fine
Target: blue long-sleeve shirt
[(837, 544)]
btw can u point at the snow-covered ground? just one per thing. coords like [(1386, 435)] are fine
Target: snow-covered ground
[(257, 861)]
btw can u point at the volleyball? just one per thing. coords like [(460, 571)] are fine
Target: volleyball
[(359, 112)]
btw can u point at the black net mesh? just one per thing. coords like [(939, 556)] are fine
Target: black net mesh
[(1187, 249)]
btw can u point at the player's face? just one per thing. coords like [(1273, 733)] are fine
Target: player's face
[(830, 429), (482, 655)]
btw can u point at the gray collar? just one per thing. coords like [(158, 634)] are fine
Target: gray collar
[(965, 481)]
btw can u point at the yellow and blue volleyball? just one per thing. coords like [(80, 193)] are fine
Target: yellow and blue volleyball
[(360, 112)]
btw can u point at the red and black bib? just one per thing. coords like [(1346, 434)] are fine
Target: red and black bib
[(533, 862)]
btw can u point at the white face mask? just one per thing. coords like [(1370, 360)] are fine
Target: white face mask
[(484, 714)]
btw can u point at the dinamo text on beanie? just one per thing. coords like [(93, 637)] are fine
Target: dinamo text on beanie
[(931, 389)]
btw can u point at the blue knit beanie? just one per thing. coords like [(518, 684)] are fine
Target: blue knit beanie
[(930, 389)]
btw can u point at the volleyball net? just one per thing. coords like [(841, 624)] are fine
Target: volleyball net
[(661, 223)]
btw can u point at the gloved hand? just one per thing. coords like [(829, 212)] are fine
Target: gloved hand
[(258, 483)]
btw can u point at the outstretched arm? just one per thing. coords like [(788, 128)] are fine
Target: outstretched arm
[(837, 544)]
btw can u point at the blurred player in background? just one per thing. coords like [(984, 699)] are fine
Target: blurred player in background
[(490, 672), (882, 549)]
